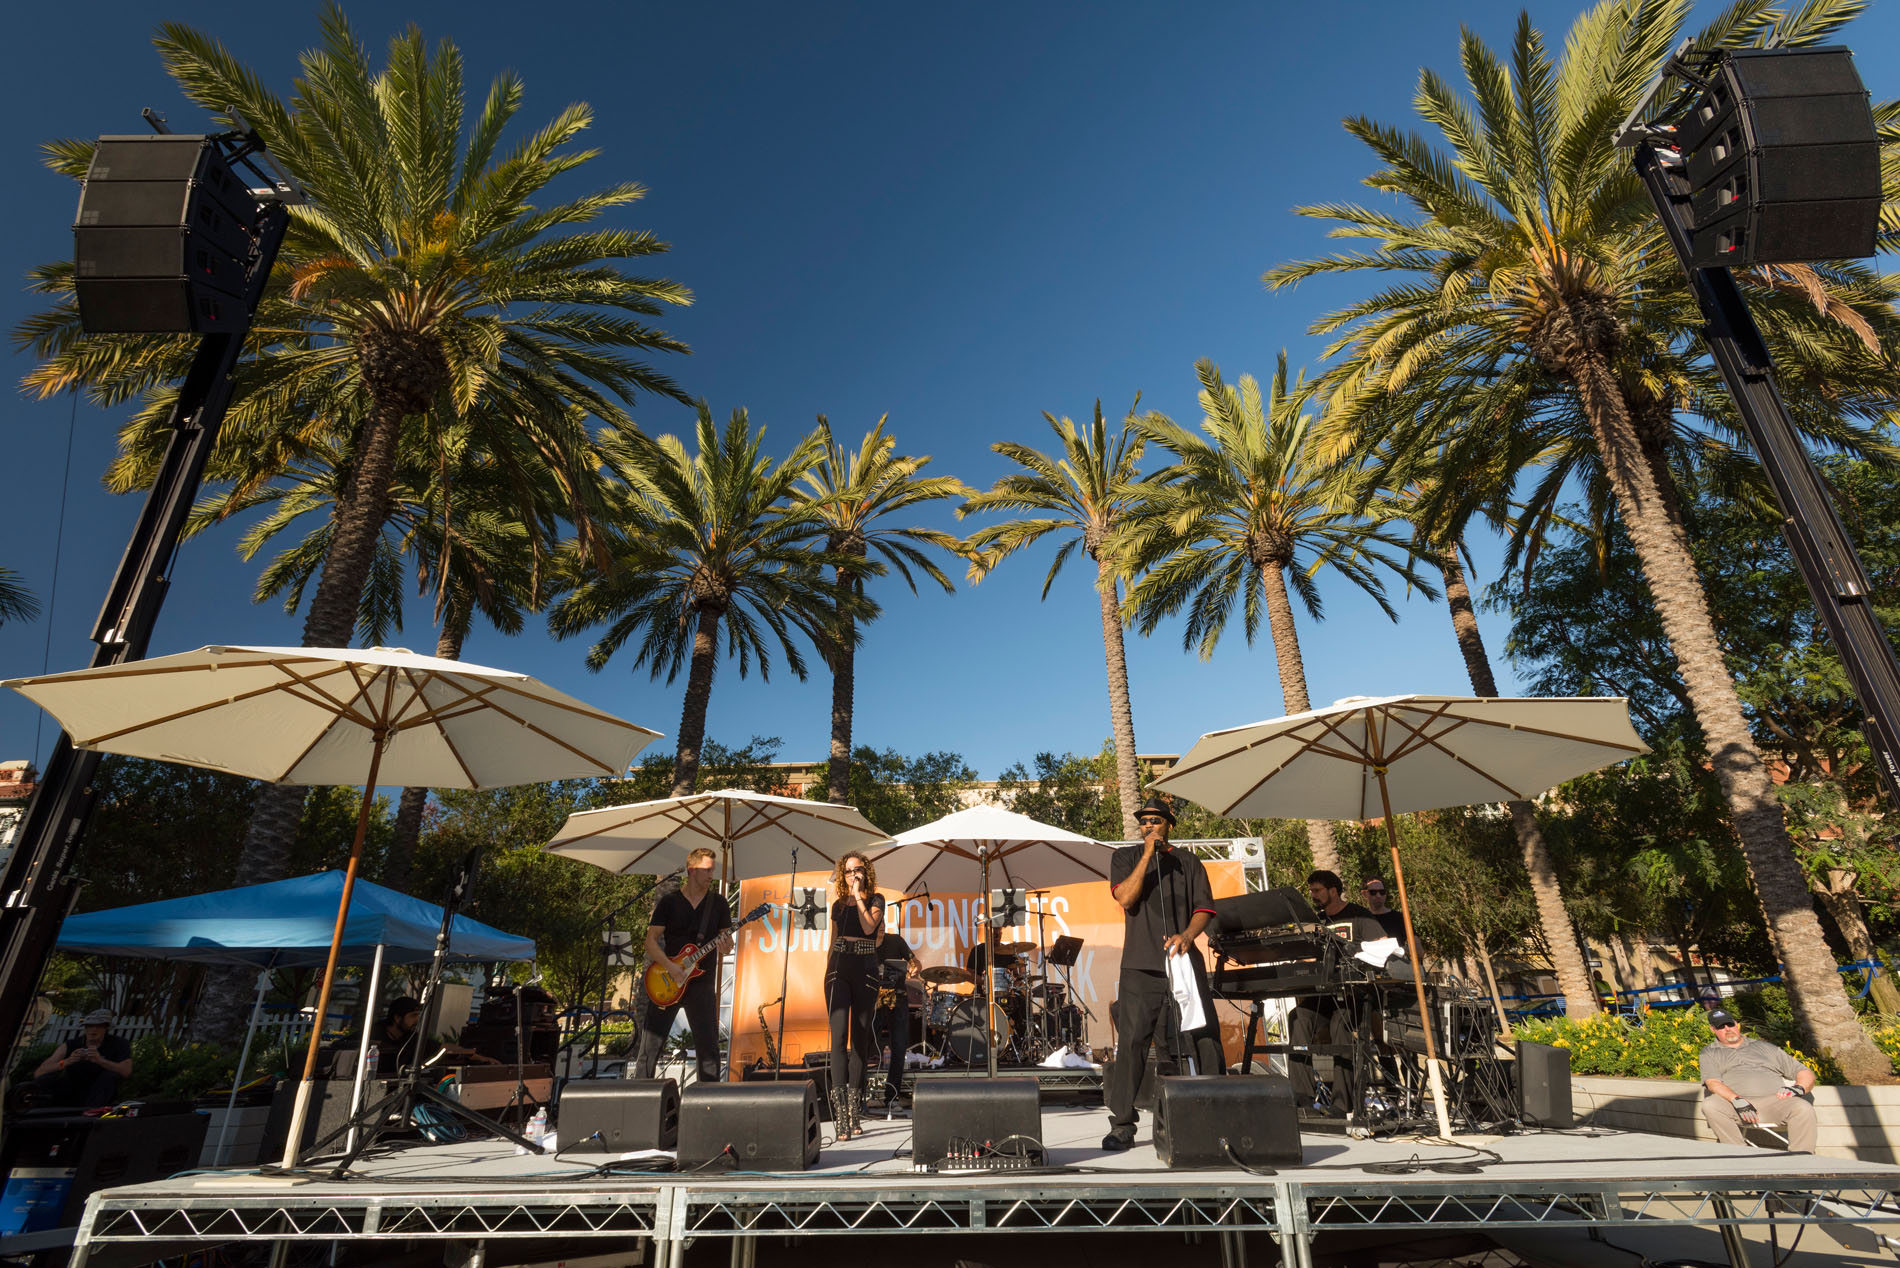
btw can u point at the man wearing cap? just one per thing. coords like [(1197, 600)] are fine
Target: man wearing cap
[(1747, 1083), (86, 1072), (1166, 902)]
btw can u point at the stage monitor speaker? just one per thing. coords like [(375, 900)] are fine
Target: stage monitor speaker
[(617, 1116), (1783, 160), (954, 1119), (1543, 1084), (164, 237), (819, 1076), (1254, 1114), (748, 1126)]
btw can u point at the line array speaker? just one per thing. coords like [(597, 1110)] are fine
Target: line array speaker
[(951, 1117), (749, 1126), (164, 237), (1254, 1113), (1783, 159), (618, 1116)]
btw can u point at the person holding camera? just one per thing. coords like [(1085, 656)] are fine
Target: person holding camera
[(1747, 1081), (86, 1073)]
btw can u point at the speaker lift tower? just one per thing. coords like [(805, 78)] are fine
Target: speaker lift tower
[(175, 233), (1771, 156)]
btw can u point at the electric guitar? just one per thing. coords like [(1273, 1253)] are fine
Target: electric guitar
[(665, 989)]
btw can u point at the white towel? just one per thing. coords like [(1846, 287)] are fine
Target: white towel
[(1186, 994), (1376, 951)]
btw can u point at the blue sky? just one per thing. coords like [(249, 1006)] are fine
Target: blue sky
[(961, 216)]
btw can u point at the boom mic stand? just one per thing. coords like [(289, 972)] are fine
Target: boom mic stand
[(412, 1093), (521, 1097), (809, 916)]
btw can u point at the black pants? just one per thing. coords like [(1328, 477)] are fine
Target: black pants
[(851, 1000), (1143, 997), (701, 1003), (893, 1026)]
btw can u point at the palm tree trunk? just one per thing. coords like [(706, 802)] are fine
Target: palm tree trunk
[(1121, 710), (408, 829), (844, 668), (1815, 992), (1286, 650), (331, 622), (699, 680), (1836, 893), (1560, 935)]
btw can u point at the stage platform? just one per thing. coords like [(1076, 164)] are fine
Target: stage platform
[(474, 1198)]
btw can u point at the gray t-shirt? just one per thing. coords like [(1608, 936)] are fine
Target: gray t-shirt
[(1755, 1071)]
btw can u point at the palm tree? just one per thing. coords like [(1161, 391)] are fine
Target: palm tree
[(16, 601), (1242, 511), (695, 540), (479, 543), (850, 493), (421, 278), (1537, 293), (1089, 491)]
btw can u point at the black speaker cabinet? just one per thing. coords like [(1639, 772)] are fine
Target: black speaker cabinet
[(1783, 159), (163, 237), (748, 1126), (52, 1162), (946, 1113), (819, 1076), (1254, 1113), (329, 1110), (617, 1116), (1543, 1084)]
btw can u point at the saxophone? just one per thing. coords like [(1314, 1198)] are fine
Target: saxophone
[(771, 1046)]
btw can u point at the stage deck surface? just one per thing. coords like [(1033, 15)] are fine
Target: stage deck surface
[(480, 1190)]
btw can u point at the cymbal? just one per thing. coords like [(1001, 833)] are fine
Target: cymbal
[(1015, 948), (945, 975)]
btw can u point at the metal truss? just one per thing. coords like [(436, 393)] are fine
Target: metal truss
[(1290, 1208)]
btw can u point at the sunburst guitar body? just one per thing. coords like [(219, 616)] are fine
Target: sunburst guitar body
[(665, 989)]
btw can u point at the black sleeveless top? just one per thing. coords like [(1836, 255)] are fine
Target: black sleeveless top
[(847, 923)]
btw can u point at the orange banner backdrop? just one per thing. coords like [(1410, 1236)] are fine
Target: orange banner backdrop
[(939, 929)]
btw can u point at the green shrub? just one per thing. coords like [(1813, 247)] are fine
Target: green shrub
[(1666, 1043)]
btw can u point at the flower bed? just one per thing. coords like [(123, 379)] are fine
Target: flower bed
[(1665, 1043)]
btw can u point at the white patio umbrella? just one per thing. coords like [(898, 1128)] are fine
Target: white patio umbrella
[(316, 715), (1369, 757), (966, 845), (756, 834)]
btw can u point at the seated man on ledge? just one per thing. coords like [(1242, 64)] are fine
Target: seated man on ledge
[(85, 1073), (1746, 1080)]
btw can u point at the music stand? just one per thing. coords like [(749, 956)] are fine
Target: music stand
[(1063, 953)]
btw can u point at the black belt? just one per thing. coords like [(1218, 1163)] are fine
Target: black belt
[(855, 946)]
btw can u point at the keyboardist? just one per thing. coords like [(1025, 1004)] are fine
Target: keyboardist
[(399, 1038), (1312, 1012)]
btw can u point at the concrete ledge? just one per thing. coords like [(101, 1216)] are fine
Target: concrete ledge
[(1852, 1122)]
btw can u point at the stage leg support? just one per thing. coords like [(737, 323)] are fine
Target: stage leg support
[(745, 1252), (1732, 1240), (1295, 1238), (1233, 1245)]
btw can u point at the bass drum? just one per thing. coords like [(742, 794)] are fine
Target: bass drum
[(966, 1037)]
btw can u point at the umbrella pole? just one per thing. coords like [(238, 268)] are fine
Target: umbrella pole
[(304, 1089), (244, 1059), (1432, 1071), (362, 1051)]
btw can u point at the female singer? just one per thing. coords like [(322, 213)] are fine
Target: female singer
[(857, 917)]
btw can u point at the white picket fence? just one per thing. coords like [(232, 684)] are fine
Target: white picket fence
[(275, 1028)]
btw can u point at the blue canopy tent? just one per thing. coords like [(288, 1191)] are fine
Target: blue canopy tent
[(287, 924)]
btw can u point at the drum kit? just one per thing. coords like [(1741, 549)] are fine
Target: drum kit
[(1032, 1017)]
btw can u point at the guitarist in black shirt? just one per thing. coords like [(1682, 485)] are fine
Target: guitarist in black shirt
[(687, 916)]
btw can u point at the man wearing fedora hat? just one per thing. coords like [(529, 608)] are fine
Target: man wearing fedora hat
[(1166, 902), (85, 1072)]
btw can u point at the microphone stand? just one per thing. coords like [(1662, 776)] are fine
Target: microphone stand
[(606, 977), (521, 1097)]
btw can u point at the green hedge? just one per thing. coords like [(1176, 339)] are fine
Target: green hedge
[(1665, 1044)]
